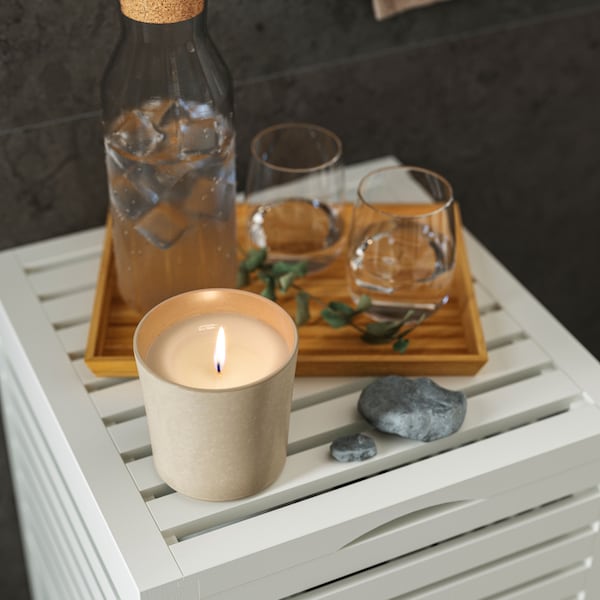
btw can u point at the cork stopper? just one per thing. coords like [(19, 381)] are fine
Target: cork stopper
[(161, 11)]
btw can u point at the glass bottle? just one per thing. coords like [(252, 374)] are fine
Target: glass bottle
[(169, 141)]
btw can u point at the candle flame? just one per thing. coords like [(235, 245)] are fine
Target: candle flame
[(219, 355)]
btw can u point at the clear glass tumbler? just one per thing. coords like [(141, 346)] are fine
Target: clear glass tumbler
[(294, 187), (401, 246)]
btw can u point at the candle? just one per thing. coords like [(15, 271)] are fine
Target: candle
[(217, 372), (185, 352)]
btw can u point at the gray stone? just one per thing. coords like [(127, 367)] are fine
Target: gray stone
[(417, 409), (351, 448)]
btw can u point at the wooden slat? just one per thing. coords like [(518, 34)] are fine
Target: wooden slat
[(564, 585), (499, 328), (566, 351), (354, 173), (72, 247), (520, 570), (308, 427), (65, 556), (483, 581), (69, 310), (416, 532), (497, 325), (130, 437), (309, 390), (505, 364), (487, 413), (45, 547), (43, 579), (313, 470), (122, 398), (125, 397), (47, 473), (322, 423), (404, 569), (321, 525), (484, 299), (66, 278), (89, 380), (73, 338)]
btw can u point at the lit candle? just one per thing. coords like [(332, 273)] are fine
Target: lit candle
[(217, 404), (186, 352), (220, 348)]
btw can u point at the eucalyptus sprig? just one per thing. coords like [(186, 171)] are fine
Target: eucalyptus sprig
[(281, 276)]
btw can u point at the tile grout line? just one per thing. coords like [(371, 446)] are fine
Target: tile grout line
[(50, 122), (409, 47)]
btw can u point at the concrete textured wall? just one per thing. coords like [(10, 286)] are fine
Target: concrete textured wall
[(502, 96)]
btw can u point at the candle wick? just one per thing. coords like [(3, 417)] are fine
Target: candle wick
[(218, 367)]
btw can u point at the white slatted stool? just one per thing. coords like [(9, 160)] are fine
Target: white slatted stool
[(505, 509)]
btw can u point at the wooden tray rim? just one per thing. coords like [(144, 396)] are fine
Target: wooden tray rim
[(310, 364)]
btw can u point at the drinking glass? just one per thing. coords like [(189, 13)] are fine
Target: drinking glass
[(294, 189), (401, 246)]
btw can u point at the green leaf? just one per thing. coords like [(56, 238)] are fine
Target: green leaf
[(280, 268), (334, 318), (383, 329), (243, 277), (341, 308), (269, 291), (400, 345), (281, 275), (255, 258), (409, 318), (301, 268), (364, 303), (285, 281), (265, 276), (302, 308)]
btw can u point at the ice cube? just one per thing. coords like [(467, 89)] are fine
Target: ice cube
[(127, 199), (169, 121), (135, 133), (156, 109), (196, 110), (198, 136), (202, 196), (116, 162), (163, 225), (199, 130), (170, 171)]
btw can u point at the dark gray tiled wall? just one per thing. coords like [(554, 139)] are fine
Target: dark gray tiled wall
[(502, 96), (53, 53)]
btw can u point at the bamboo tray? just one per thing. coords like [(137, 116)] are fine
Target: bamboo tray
[(448, 343)]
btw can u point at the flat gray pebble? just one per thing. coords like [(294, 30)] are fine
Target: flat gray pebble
[(351, 448), (417, 409)]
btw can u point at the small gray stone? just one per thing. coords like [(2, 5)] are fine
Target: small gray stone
[(352, 448), (417, 409)]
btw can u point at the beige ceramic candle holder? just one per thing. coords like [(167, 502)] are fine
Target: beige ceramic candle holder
[(217, 444)]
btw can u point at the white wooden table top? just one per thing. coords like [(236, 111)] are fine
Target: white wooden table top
[(535, 396)]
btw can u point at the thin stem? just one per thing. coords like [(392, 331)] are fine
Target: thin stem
[(315, 298), (324, 305), (266, 273)]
